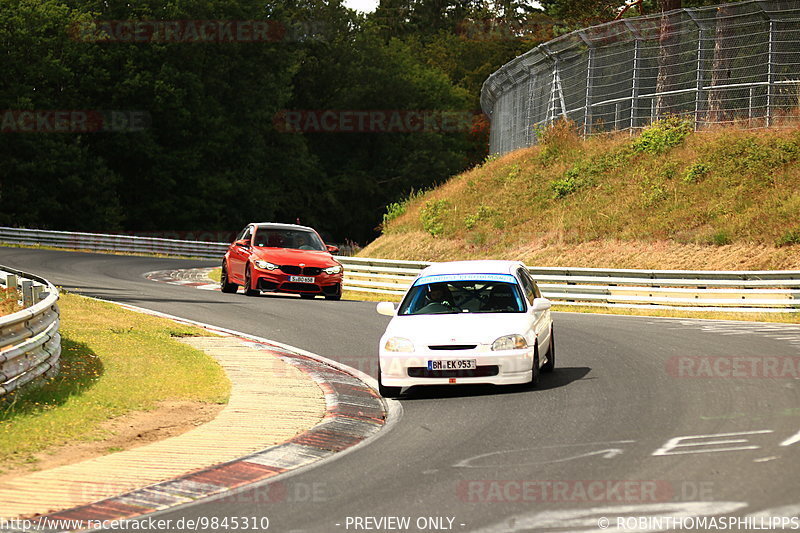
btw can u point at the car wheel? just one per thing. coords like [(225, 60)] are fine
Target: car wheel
[(224, 283), (307, 296), (551, 354), (248, 284), (337, 295), (387, 392), (534, 381)]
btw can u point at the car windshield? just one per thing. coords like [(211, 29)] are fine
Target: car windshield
[(288, 238), (463, 296)]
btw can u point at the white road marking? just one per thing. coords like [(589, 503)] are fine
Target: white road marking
[(791, 440), (607, 453), (677, 443)]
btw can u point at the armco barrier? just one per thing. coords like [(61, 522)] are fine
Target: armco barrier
[(762, 291), (30, 345), (116, 243)]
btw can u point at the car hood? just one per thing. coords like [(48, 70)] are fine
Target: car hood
[(462, 328), (288, 256)]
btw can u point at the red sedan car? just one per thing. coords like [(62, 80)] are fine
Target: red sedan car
[(281, 258)]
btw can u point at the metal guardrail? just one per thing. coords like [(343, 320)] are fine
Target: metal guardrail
[(761, 291), (30, 345), (116, 243), (756, 291)]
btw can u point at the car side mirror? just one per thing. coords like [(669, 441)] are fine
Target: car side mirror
[(385, 308), (244, 243), (541, 304), (332, 249)]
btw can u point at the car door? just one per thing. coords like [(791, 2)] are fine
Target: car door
[(239, 254), (540, 319)]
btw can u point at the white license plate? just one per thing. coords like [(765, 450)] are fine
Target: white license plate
[(301, 279), (455, 364)]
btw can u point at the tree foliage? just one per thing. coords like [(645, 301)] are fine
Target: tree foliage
[(210, 156)]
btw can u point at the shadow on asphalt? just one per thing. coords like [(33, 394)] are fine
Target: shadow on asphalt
[(560, 377)]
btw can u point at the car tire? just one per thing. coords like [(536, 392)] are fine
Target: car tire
[(224, 283), (248, 284), (387, 392), (337, 295), (550, 365), (307, 296), (534, 381)]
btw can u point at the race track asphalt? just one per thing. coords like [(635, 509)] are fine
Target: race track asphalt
[(642, 418)]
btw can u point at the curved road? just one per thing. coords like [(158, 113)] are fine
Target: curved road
[(642, 418)]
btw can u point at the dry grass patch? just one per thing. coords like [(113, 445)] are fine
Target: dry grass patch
[(113, 362), (9, 302)]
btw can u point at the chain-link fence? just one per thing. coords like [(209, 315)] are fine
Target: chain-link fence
[(731, 63)]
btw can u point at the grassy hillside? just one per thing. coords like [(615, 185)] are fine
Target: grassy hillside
[(667, 198)]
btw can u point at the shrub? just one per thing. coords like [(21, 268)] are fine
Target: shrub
[(662, 135), (696, 172), (397, 209), (721, 238), (789, 238), (572, 181), (432, 216), (483, 213)]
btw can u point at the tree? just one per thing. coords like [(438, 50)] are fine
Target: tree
[(668, 40)]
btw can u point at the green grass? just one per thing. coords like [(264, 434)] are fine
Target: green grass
[(113, 362), (669, 198)]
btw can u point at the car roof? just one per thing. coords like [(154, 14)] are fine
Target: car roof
[(278, 225), (473, 267)]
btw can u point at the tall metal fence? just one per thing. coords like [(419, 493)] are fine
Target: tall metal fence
[(731, 63)]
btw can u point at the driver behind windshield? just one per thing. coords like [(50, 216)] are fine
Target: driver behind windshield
[(439, 299), (301, 242)]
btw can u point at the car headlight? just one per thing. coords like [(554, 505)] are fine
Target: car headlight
[(509, 342), (265, 265), (333, 270), (398, 344)]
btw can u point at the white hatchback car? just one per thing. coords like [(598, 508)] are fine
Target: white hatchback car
[(467, 322)]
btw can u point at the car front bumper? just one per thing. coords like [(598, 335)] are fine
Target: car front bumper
[(277, 281), (510, 367)]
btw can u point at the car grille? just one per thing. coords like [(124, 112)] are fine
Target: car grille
[(453, 347), (480, 372), (294, 270), (302, 287)]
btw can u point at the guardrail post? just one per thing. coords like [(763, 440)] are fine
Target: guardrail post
[(36, 295), (27, 293), (11, 281)]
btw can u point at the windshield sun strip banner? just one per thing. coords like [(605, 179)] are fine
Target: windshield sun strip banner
[(441, 278)]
